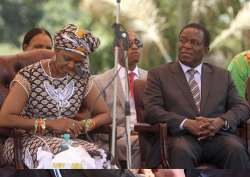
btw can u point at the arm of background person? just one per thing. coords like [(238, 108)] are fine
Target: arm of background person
[(239, 69)]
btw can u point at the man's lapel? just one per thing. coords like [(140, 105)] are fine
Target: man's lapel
[(206, 83), (120, 93), (181, 81)]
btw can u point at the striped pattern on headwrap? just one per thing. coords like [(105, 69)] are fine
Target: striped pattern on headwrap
[(77, 40)]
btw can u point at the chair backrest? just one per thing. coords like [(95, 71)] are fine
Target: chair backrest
[(139, 86)]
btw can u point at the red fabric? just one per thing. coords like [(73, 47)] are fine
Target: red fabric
[(131, 78)]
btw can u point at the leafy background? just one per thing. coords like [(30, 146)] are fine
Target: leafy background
[(157, 21)]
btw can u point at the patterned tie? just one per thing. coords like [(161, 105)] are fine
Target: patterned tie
[(131, 78), (194, 87)]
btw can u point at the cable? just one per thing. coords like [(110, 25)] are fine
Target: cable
[(104, 89), (98, 96)]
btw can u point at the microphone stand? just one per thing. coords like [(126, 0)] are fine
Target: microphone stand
[(121, 35), (127, 101), (116, 41)]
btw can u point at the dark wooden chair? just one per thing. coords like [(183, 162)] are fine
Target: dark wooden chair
[(145, 130)]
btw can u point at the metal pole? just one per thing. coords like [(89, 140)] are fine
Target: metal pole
[(125, 41), (127, 103), (117, 34)]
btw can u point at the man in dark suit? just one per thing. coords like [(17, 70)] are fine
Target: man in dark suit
[(200, 105)]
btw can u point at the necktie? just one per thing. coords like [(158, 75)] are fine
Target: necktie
[(131, 78), (194, 87)]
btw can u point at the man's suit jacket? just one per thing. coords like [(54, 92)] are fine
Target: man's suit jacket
[(168, 97), (102, 81)]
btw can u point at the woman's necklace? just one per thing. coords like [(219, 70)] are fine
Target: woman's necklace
[(59, 95)]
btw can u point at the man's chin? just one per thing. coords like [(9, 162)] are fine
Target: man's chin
[(187, 62), (134, 59), (134, 56), (134, 63)]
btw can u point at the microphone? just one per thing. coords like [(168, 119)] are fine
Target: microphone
[(125, 40)]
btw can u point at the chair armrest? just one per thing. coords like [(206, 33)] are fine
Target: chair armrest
[(161, 130), (104, 129), (144, 127)]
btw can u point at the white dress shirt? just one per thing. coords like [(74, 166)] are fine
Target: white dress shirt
[(197, 78), (122, 75)]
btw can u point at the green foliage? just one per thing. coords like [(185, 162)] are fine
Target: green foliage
[(58, 13), (18, 16)]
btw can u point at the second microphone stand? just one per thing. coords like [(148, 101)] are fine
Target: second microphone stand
[(121, 37), (127, 100)]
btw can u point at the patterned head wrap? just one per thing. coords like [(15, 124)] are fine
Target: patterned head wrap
[(72, 38)]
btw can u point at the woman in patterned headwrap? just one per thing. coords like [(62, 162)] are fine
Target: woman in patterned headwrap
[(45, 97)]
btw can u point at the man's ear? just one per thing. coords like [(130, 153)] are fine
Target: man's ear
[(206, 50)]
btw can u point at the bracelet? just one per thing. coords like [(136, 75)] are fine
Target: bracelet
[(40, 125), (88, 124), (35, 126)]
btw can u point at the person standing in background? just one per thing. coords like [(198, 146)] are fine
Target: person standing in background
[(37, 38)]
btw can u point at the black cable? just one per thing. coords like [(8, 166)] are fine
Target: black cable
[(104, 89), (98, 96)]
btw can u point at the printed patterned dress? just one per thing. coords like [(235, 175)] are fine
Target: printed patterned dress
[(51, 98)]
